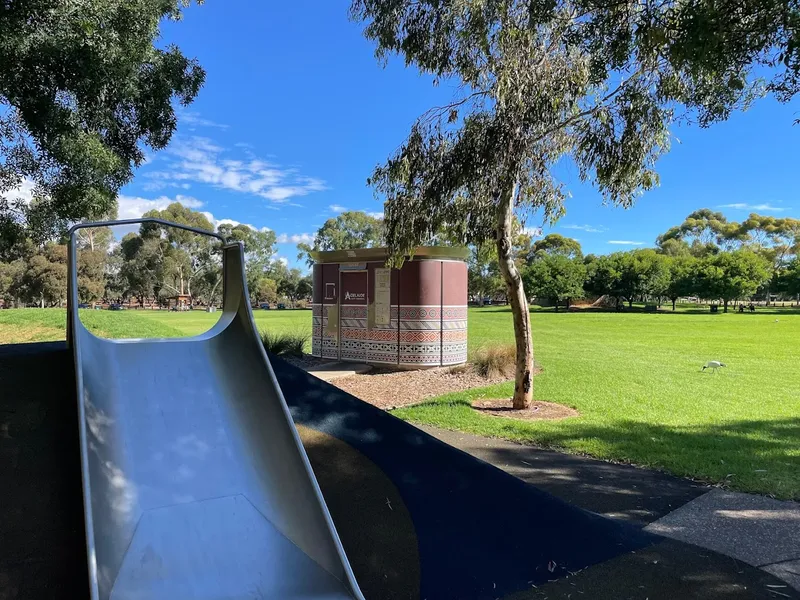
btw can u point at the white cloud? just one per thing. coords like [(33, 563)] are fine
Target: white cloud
[(532, 231), (625, 243), (283, 260), (198, 159), (337, 208), (744, 206), (193, 119), (295, 238), (233, 223), (133, 207), (376, 215), (23, 193), (586, 228)]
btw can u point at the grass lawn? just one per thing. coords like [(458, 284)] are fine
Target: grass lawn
[(49, 324), (634, 377), (636, 380)]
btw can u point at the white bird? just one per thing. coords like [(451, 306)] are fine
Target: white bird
[(714, 365)]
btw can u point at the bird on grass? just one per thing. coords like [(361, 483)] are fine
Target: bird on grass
[(713, 365)]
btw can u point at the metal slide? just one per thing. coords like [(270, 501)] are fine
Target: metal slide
[(195, 482)]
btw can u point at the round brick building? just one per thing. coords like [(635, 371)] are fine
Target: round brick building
[(415, 316)]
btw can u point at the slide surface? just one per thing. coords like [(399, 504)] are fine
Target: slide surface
[(195, 483)]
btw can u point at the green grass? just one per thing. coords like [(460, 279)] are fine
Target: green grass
[(634, 377), (39, 325), (636, 380)]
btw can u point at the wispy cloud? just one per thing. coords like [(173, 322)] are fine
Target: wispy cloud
[(744, 206), (376, 215), (193, 119), (337, 208), (625, 243), (295, 238), (586, 228), (199, 160)]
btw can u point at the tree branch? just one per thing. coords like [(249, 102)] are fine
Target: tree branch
[(437, 111), (589, 111)]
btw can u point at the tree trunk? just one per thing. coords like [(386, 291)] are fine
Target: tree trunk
[(523, 383), (724, 306), (674, 300)]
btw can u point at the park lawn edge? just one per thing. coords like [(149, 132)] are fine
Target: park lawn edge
[(453, 412)]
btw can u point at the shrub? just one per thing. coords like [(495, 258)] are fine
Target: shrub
[(498, 360), (285, 343), (303, 304)]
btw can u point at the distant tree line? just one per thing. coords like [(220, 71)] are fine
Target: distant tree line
[(150, 266), (707, 257)]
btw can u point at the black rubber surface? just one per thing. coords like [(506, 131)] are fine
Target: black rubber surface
[(480, 532), (632, 494)]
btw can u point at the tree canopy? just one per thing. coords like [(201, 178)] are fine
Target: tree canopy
[(351, 229), (84, 89), (731, 275), (555, 277), (554, 243), (539, 81)]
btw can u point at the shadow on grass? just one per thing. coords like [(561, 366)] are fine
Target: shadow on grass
[(753, 456), (638, 310)]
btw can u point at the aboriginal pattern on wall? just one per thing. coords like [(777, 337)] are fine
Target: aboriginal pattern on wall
[(420, 320), (324, 331), (420, 335), (381, 343), (454, 335), (353, 325)]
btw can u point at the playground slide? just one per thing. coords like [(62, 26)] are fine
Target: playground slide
[(195, 483)]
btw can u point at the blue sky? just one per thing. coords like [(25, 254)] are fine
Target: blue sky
[(296, 112)]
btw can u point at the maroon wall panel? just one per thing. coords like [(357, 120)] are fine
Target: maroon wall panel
[(427, 318), (419, 313), (381, 340), (328, 333), (454, 313), (454, 283), (353, 312), (316, 278)]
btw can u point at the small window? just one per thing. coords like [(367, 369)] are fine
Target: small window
[(330, 291)]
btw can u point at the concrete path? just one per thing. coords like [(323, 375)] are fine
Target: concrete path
[(755, 530), (336, 370)]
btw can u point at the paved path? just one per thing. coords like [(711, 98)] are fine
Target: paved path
[(755, 530), (336, 370), (759, 531)]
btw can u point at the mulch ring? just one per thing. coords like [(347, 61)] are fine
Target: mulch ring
[(389, 389), (539, 411)]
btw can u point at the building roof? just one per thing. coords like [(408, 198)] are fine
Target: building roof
[(381, 254)]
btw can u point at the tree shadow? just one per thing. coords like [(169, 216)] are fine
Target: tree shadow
[(638, 310), (712, 453)]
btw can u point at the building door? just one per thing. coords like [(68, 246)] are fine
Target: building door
[(353, 303)]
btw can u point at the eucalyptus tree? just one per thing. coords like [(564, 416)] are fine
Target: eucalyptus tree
[(85, 88), (540, 81)]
